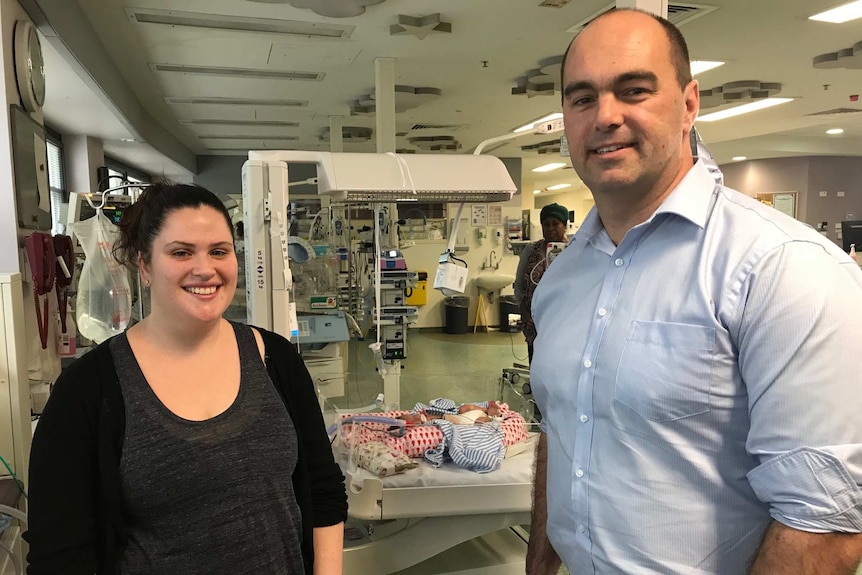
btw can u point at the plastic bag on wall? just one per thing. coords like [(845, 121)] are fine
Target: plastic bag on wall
[(104, 301)]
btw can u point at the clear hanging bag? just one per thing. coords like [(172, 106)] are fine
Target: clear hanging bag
[(104, 301)]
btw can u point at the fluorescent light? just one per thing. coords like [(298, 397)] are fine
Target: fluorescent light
[(739, 158), (529, 126), (558, 187), (744, 109), (700, 66), (835, 131), (841, 14), (537, 191), (549, 167)]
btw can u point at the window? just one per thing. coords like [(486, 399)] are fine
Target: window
[(56, 181), (119, 173)]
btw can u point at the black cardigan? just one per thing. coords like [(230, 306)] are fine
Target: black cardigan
[(76, 525)]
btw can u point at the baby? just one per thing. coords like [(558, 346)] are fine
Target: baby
[(468, 414)]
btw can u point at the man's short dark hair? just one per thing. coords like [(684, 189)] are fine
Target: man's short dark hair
[(678, 47)]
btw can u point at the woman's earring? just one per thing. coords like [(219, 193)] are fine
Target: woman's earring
[(146, 283)]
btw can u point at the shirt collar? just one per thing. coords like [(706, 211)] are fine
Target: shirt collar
[(690, 199)]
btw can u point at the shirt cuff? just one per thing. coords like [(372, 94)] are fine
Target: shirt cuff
[(810, 490)]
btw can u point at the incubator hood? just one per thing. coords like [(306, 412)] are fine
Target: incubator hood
[(388, 177)]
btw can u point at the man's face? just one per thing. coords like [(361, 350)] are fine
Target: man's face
[(626, 118)]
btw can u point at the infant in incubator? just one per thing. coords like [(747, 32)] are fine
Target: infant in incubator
[(468, 414)]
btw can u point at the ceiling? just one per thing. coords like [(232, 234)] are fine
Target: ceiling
[(103, 75)]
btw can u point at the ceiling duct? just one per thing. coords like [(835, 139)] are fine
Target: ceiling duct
[(678, 13), (222, 101), (251, 73), (239, 23)]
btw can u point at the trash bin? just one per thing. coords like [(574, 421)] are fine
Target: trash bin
[(456, 314), (508, 305)]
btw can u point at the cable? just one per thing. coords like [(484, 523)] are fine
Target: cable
[(18, 482), (16, 563), (512, 339)]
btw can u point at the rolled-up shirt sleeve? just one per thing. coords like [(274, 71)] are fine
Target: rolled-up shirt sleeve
[(799, 332)]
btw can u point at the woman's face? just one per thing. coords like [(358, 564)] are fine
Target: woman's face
[(193, 267), (553, 230)]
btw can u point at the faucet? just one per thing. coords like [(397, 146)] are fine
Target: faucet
[(491, 263)]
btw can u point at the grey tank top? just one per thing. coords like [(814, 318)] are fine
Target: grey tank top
[(211, 496)]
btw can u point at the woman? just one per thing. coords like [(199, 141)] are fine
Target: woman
[(189, 444), (532, 265)]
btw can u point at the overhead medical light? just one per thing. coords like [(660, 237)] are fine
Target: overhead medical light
[(744, 109), (361, 178), (558, 187), (841, 14), (532, 125), (549, 167), (835, 131), (537, 191), (739, 158), (701, 66)]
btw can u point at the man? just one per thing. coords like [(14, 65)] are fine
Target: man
[(695, 352), (532, 265)]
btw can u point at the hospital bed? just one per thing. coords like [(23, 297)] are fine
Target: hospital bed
[(463, 518)]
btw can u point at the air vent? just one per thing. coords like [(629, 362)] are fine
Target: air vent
[(447, 127), (252, 73), (239, 23), (678, 13), (238, 101), (222, 122), (836, 111)]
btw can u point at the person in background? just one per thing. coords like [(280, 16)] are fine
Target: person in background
[(696, 360), (532, 265), (188, 444)]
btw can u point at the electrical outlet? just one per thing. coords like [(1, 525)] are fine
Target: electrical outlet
[(824, 194), (840, 194)]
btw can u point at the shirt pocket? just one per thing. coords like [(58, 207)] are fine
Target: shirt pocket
[(665, 370)]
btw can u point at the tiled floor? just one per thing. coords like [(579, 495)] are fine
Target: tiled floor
[(462, 367)]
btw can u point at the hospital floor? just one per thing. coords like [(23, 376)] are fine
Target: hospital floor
[(462, 367)]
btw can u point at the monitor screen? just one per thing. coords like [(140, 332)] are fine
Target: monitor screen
[(851, 233)]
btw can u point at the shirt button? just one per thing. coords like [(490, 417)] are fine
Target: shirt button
[(619, 262), (602, 312), (579, 472), (581, 528), (588, 363), (584, 419)]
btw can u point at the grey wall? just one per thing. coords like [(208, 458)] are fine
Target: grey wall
[(809, 176), (221, 175)]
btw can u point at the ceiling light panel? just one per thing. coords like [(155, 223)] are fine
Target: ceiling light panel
[(744, 109), (835, 131), (701, 66), (558, 187), (245, 137), (294, 28), (841, 14), (223, 122), (239, 101), (549, 167), (249, 73)]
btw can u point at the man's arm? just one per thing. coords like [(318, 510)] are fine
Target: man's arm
[(789, 551), (541, 557), (328, 549)]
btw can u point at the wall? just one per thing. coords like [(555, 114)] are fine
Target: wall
[(423, 256), (833, 175), (809, 176)]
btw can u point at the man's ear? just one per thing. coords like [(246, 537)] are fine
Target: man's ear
[(691, 99)]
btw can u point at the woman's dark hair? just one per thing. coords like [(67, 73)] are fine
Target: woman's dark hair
[(143, 220)]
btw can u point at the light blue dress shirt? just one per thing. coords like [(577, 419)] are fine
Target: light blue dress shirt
[(698, 380)]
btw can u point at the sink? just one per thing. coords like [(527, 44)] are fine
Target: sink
[(493, 282)]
